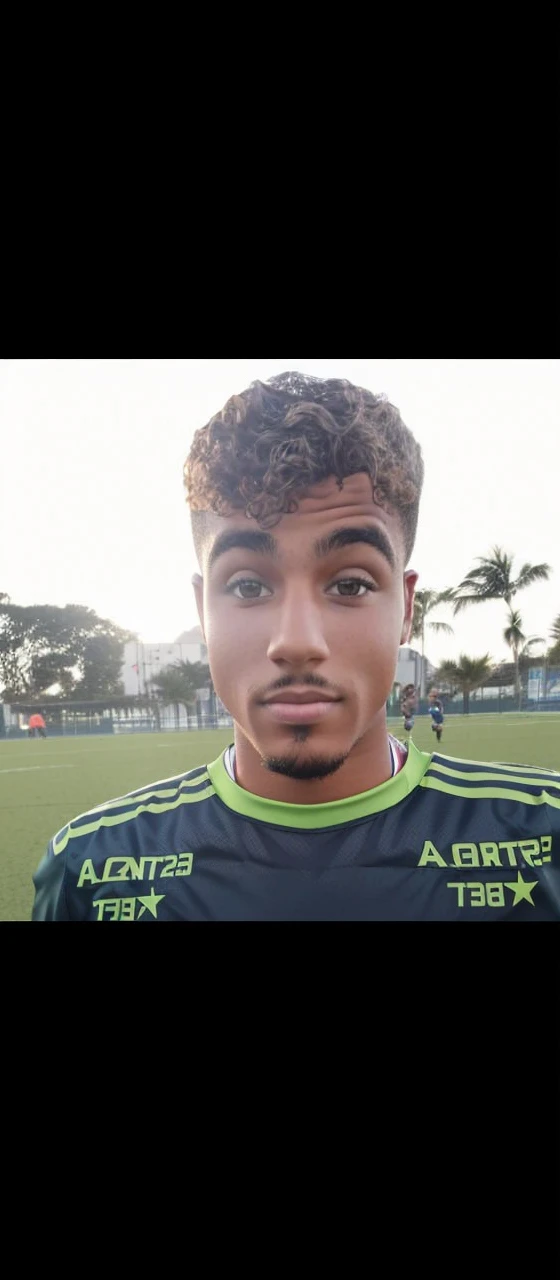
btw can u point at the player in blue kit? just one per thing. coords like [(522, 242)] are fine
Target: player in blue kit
[(436, 712), (304, 497)]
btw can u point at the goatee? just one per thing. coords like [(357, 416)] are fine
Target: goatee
[(304, 770)]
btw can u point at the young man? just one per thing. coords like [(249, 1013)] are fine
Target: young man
[(436, 712), (304, 502)]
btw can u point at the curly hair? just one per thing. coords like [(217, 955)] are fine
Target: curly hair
[(272, 442)]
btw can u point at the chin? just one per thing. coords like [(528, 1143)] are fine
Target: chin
[(308, 769)]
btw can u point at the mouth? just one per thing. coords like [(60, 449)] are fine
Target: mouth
[(300, 706)]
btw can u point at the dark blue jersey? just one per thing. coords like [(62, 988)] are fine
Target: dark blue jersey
[(445, 839)]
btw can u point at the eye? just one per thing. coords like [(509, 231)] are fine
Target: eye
[(247, 589), (354, 587)]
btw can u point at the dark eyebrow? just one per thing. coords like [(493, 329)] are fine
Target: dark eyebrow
[(370, 534), (264, 544), (248, 539)]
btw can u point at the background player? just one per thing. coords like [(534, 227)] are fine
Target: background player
[(436, 712), (408, 705)]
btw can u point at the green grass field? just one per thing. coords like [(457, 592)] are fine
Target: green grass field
[(44, 783)]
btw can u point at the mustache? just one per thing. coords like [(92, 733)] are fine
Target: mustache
[(311, 681)]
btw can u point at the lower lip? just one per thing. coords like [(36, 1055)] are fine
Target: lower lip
[(300, 712)]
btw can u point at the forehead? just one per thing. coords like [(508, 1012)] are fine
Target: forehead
[(323, 507)]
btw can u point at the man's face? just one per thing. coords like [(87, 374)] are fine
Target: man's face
[(303, 624)]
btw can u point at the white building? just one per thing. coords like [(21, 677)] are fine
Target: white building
[(141, 662), (409, 668)]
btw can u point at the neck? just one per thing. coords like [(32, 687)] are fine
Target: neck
[(368, 764)]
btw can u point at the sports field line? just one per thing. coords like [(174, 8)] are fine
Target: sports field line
[(30, 767)]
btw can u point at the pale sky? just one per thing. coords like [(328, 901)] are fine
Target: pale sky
[(92, 506)]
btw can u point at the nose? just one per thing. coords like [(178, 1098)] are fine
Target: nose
[(298, 636)]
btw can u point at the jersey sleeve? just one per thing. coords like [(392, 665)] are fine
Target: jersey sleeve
[(49, 881)]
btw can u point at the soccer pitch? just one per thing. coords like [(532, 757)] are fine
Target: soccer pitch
[(45, 782)]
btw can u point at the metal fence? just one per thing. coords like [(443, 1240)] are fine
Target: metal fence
[(67, 722), (540, 692)]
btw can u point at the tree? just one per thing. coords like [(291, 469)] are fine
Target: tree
[(494, 579), (176, 685), (44, 647), (553, 655), (466, 674), (48, 670), (519, 644), (424, 602), (102, 660)]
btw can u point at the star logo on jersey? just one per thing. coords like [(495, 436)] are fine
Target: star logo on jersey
[(522, 889), (150, 903)]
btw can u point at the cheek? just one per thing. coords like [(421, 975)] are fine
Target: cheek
[(370, 651), (233, 649), (376, 631)]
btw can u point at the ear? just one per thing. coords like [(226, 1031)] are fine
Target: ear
[(198, 585), (410, 578)]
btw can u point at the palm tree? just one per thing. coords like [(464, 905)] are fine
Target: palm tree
[(493, 579), (466, 674), (553, 655), (424, 602), (177, 684), (197, 676), (519, 643)]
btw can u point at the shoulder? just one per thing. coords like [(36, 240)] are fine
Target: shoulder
[(122, 839), (151, 804), (493, 779)]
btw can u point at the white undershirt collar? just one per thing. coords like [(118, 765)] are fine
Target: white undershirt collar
[(398, 757)]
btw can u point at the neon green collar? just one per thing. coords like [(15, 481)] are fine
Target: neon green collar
[(335, 812)]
